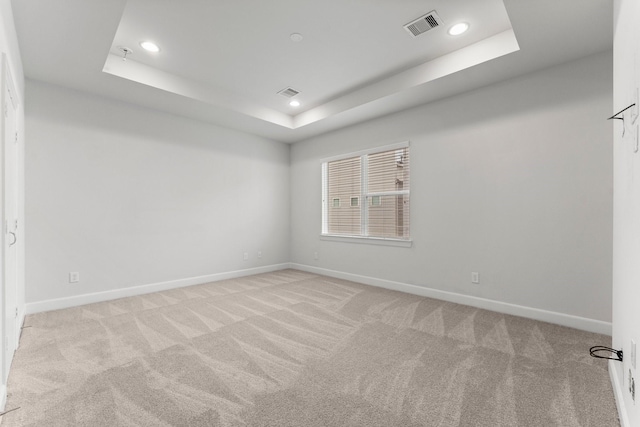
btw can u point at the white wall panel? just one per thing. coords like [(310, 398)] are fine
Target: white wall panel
[(513, 181), (127, 196)]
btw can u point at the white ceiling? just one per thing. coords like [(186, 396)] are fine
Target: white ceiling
[(224, 61)]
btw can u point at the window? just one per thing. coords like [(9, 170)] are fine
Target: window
[(380, 178)]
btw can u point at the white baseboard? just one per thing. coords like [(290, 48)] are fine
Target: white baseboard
[(571, 321), (618, 393), (582, 323), (77, 300)]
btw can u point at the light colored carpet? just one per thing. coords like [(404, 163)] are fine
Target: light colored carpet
[(296, 349)]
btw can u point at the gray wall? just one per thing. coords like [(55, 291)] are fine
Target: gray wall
[(513, 181), (127, 196)]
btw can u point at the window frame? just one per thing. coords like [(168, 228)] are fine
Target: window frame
[(365, 198)]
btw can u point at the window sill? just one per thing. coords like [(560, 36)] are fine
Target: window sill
[(367, 240)]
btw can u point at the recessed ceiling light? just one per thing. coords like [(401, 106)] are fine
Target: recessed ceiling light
[(150, 46), (294, 103), (296, 37), (458, 29)]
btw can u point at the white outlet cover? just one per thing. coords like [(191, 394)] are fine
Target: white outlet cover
[(633, 354)]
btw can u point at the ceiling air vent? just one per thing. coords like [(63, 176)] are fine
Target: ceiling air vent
[(288, 92), (424, 23)]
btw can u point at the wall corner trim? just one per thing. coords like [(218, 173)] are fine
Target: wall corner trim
[(582, 323), (77, 300)]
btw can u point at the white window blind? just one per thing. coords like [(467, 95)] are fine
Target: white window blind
[(377, 178), (344, 182)]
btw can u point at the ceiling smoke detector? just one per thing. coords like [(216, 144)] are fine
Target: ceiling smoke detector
[(423, 24), (288, 92), (296, 37)]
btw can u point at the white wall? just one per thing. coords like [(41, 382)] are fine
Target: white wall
[(513, 181), (9, 46), (626, 235), (127, 196)]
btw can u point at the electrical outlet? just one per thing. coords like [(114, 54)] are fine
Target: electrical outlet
[(315, 255), (74, 277), (246, 256), (475, 277), (259, 254), (633, 354)]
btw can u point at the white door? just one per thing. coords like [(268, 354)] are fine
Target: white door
[(10, 175)]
